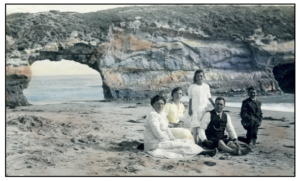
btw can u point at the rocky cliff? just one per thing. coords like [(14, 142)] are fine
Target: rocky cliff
[(142, 51)]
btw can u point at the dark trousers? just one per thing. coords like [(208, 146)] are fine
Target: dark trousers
[(252, 132)]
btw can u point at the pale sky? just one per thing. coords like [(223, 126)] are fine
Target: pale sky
[(63, 67), (63, 8)]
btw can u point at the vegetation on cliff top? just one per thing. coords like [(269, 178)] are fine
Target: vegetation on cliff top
[(214, 20)]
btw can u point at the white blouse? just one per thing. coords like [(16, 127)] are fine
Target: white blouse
[(206, 120), (156, 130)]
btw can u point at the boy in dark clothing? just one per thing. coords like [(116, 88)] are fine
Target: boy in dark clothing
[(251, 115)]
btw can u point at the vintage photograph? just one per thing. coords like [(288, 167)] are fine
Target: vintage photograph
[(150, 90)]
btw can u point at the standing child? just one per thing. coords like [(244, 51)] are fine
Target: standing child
[(251, 115), (199, 94)]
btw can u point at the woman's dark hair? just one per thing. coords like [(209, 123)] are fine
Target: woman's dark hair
[(197, 72), (219, 99), (157, 98), (175, 90)]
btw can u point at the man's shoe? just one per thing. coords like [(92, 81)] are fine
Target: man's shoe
[(251, 146), (140, 146)]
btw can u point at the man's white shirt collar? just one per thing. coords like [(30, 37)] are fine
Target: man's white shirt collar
[(219, 114)]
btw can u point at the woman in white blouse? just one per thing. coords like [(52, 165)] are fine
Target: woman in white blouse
[(158, 139)]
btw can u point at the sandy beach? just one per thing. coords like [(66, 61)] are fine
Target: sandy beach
[(100, 139)]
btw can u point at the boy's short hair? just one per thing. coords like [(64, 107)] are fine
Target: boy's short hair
[(250, 88)]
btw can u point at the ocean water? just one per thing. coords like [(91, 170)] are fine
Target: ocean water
[(83, 88), (285, 102), (64, 89)]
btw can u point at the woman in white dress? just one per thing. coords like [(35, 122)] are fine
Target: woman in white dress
[(199, 94), (158, 139)]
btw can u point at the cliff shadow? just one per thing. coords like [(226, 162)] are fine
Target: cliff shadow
[(285, 76)]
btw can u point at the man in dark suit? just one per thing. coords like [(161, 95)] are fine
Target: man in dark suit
[(251, 115)]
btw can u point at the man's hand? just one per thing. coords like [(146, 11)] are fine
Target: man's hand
[(207, 143), (253, 119), (259, 123)]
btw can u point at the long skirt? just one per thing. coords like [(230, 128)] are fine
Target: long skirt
[(179, 148), (182, 133)]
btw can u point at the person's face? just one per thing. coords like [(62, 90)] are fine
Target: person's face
[(219, 105), (177, 95), (159, 106), (199, 77), (252, 93)]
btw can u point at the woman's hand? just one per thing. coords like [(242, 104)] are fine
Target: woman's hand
[(172, 138), (171, 125), (180, 124), (176, 125), (165, 139), (190, 112)]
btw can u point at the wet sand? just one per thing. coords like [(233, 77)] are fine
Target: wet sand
[(100, 139)]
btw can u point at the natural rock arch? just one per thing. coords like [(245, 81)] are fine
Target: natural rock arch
[(143, 52), (81, 53)]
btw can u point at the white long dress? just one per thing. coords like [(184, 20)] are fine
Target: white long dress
[(159, 141), (199, 95)]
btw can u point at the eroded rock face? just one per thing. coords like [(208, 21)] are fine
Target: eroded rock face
[(140, 56)]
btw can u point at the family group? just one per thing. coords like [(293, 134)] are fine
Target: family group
[(166, 136)]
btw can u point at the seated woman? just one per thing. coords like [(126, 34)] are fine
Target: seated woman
[(158, 139), (174, 110)]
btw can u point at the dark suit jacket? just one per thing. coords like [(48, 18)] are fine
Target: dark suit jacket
[(251, 112)]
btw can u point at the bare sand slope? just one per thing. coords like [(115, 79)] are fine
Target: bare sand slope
[(100, 139)]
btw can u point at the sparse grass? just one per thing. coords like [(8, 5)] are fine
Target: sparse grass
[(216, 21)]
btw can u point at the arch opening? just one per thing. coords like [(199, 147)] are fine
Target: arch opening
[(63, 81)]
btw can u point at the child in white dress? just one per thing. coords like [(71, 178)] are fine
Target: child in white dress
[(199, 94)]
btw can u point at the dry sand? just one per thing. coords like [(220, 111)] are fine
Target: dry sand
[(100, 139)]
